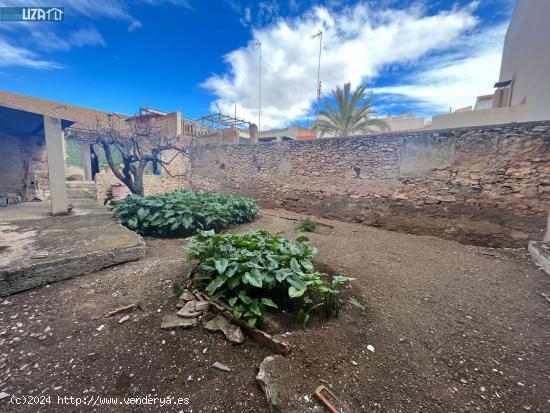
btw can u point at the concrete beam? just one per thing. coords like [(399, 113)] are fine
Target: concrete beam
[(56, 165)]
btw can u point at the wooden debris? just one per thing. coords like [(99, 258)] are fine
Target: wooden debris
[(121, 310)]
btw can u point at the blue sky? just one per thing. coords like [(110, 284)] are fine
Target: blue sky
[(199, 56)]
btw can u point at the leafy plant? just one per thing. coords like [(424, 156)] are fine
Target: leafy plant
[(356, 304), (177, 289), (307, 225), (257, 270), (182, 213)]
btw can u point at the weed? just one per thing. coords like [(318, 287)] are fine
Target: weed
[(307, 225)]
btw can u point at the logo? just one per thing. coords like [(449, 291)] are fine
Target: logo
[(32, 14)]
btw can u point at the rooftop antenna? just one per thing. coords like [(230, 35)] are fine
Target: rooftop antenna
[(259, 44), (318, 35)]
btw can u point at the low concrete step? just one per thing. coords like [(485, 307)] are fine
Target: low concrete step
[(81, 184), (81, 190), (540, 252)]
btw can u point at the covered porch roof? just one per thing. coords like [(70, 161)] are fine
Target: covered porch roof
[(26, 123)]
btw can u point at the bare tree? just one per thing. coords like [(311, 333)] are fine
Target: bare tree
[(138, 142)]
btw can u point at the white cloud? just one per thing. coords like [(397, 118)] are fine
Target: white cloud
[(16, 56), (47, 39), (23, 41), (136, 24), (455, 79), (181, 3), (359, 42)]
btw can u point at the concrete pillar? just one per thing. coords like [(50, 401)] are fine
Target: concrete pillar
[(253, 130), (178, 123), (86, 160), (56, 165)]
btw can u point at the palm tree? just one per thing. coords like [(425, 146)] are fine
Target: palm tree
[(350, 116)]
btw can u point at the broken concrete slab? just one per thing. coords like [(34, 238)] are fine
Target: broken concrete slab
[(540, 252), (170, 321), (69, 246)]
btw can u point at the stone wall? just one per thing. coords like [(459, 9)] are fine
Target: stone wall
[(486, 185), (23, 159), (152, 184)]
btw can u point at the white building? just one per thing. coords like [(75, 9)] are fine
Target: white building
[(522, 93), (526, 61)]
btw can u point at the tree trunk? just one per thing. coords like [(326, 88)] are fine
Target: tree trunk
[(135, 185)]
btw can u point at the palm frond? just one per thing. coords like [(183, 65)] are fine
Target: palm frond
[(348, 113)]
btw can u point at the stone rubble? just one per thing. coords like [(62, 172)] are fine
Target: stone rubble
[(170, 321), (269, 383), (188, 316), (221, 366)]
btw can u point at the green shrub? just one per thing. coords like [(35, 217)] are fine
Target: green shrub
[(307, 225), (258, 270), (183, 213)]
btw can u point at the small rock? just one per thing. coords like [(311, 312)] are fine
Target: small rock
[(179, 305), (215, 324), (233, 333), (270, 382), (221, 366), (370, 348), (354, 363), (3, 395), (204, 350), (173, 321), (193, 309), (463, 381), (101, 327), (187, 296), (482, 388), (123, 319)]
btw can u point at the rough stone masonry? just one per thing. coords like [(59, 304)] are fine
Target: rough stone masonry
[(485, 185)]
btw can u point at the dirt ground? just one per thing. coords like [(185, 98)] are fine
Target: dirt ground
[(455, 328)]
